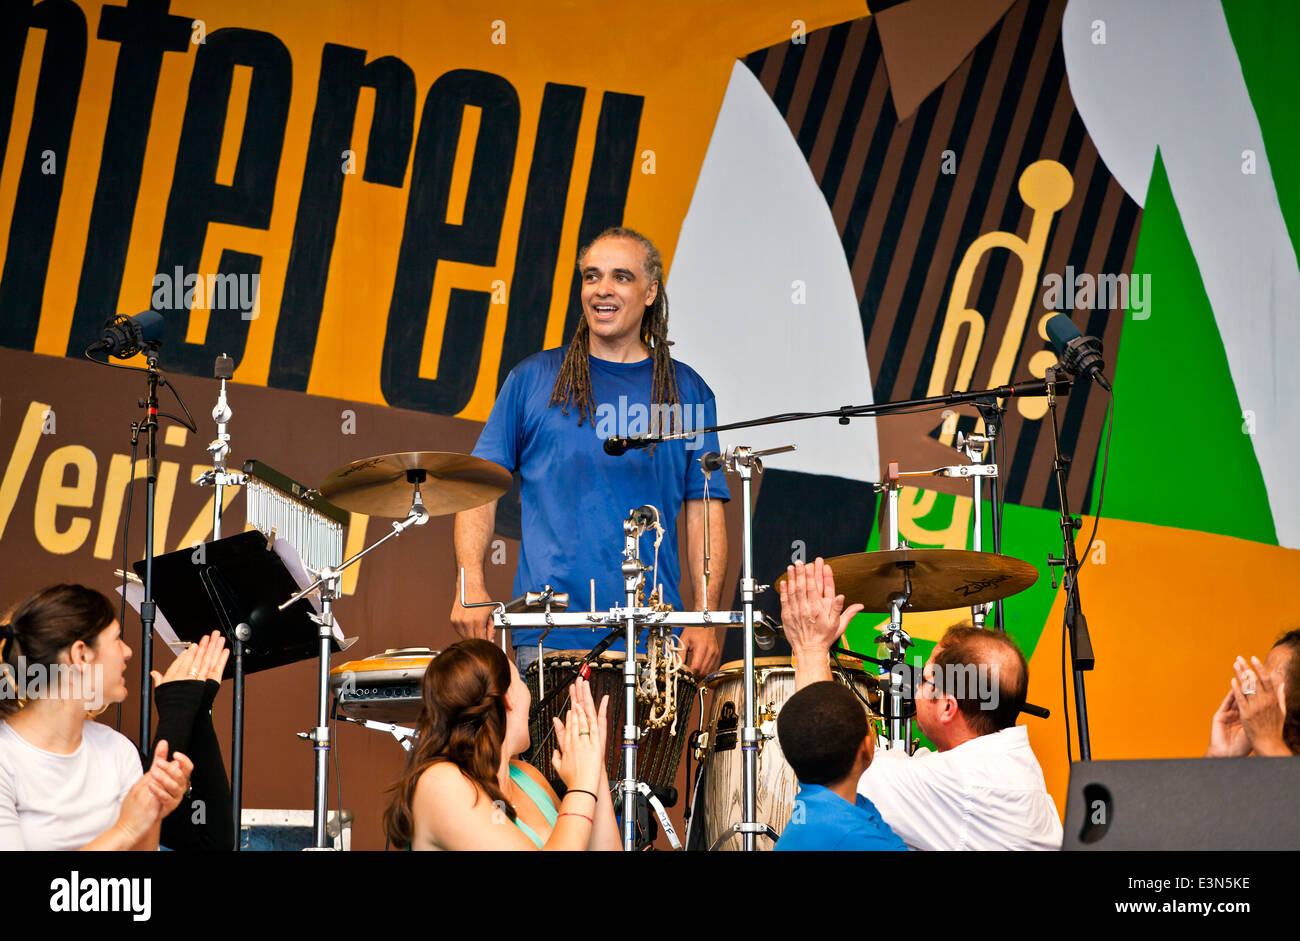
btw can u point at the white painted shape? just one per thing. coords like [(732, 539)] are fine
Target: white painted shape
[(758, 222), (1169, 75)]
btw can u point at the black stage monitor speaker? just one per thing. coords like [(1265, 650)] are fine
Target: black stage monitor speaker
[(1184, 804)]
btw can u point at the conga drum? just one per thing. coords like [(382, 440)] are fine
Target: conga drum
[(723, 766), (659, 750)]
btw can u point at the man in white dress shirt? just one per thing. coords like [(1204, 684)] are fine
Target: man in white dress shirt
[(983, 788)]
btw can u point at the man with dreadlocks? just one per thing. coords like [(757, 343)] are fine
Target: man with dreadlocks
[(619, 378)]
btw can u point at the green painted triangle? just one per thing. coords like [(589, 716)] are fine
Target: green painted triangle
[(1181, 452)]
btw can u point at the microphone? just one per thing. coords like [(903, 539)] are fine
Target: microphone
[(713, 461), (617, 447), (1080, 355), (645, 516), (126, 336), (766, 632)]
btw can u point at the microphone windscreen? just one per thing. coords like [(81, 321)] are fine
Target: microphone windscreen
[(712, 461), (1061, 330), (615, 446), (150, 325)]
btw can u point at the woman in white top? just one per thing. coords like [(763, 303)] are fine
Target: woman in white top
[(67, 782)]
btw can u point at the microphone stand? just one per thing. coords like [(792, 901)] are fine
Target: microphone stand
[(1081, 656), (148, 608)]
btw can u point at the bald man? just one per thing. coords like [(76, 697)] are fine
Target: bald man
[(983, 788)]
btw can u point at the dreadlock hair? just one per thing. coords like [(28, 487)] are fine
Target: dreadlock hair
[(573, 384)]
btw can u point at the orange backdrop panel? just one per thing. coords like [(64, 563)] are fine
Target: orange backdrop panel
[(1164, 658)]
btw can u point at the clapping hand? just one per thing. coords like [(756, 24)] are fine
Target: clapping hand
[(205, 660), (158, 792), (812, 615), (579, 758), (1227, 737), (169, 780), (1261, 706)]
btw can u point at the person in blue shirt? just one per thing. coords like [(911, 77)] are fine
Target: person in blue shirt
[(548, 425), (827, 740)]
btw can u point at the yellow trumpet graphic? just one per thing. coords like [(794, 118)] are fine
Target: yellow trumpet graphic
[(1045, 186)]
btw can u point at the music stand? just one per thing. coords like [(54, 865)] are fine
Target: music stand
[(237, 584)]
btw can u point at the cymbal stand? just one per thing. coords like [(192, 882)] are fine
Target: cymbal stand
[(894, 637), (975, 447), (329, 583), (220, 477), (991, 411)]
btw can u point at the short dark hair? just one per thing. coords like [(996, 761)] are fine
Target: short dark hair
[(967, 648), (820, 729), (1290, 640)]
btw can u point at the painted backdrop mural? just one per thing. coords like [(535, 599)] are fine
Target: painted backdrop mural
[(374, 210)]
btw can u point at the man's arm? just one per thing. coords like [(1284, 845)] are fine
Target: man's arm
[(703, 647), (473, 531), (813, 618)]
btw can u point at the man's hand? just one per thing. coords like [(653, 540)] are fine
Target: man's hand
[(472, 622), (700, 650), (1262, 707), (471, 532), (813, 617), (1227, 737)]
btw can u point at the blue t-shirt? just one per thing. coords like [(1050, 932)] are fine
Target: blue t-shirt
[(575, 497), (822, 820)]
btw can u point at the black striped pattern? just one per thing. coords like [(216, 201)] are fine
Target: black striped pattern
[(905, 226)]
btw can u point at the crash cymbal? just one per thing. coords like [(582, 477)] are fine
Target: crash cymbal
[(384, 485), (941, 578)]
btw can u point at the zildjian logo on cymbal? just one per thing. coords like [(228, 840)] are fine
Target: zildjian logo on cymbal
[(974, 588)]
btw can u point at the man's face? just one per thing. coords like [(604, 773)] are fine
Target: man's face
[(928, 702), (615, 288)]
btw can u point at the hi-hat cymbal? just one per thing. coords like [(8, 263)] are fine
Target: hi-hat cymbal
[(384, 485), (941, 578)]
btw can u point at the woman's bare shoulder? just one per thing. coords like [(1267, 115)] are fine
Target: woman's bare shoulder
[(445, 781)]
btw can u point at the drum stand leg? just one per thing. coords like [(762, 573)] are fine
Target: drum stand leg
[(745, 462), (632, 577)]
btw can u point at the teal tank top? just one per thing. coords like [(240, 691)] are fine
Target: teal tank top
[(537, 794)]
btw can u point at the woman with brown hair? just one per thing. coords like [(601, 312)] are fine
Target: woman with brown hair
[(67, 782), (461, 789)]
